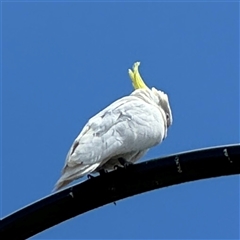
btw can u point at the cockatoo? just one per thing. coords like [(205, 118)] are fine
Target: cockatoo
[(121, 133)]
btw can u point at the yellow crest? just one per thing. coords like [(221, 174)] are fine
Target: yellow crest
[(136, 78)]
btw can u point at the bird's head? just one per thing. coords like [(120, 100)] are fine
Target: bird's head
[(159, 97), (164, 103)]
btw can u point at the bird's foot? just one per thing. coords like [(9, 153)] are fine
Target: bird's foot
[(90, 176), (124, 162), (102, 172), (116, 167)]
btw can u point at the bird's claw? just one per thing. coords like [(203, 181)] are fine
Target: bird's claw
[(127, 164), (90, 176), (124, 162), (102, 172), (116, 167)]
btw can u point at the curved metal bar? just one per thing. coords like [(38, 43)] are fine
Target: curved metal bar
[(119, 184)]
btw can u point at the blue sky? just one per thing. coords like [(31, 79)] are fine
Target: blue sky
[(62, 62)]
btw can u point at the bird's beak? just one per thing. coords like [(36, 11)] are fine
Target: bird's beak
[(136, 78)]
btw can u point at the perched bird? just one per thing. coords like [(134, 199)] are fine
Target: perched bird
[(119, 134)]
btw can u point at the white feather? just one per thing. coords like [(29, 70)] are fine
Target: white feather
[(127, 128)]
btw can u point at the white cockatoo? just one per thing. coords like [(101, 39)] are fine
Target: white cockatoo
[(121, 133)]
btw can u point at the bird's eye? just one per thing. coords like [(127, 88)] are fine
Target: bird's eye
[(167, 115)]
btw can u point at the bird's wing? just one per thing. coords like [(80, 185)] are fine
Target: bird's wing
[(129, 124), (92, 130)]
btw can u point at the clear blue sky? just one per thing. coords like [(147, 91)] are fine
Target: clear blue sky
[(63, 62)]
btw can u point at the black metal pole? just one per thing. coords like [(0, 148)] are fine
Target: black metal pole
[(119, 184)]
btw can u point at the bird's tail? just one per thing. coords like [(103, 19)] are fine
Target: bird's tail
[(61, 184), (72, 173)]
